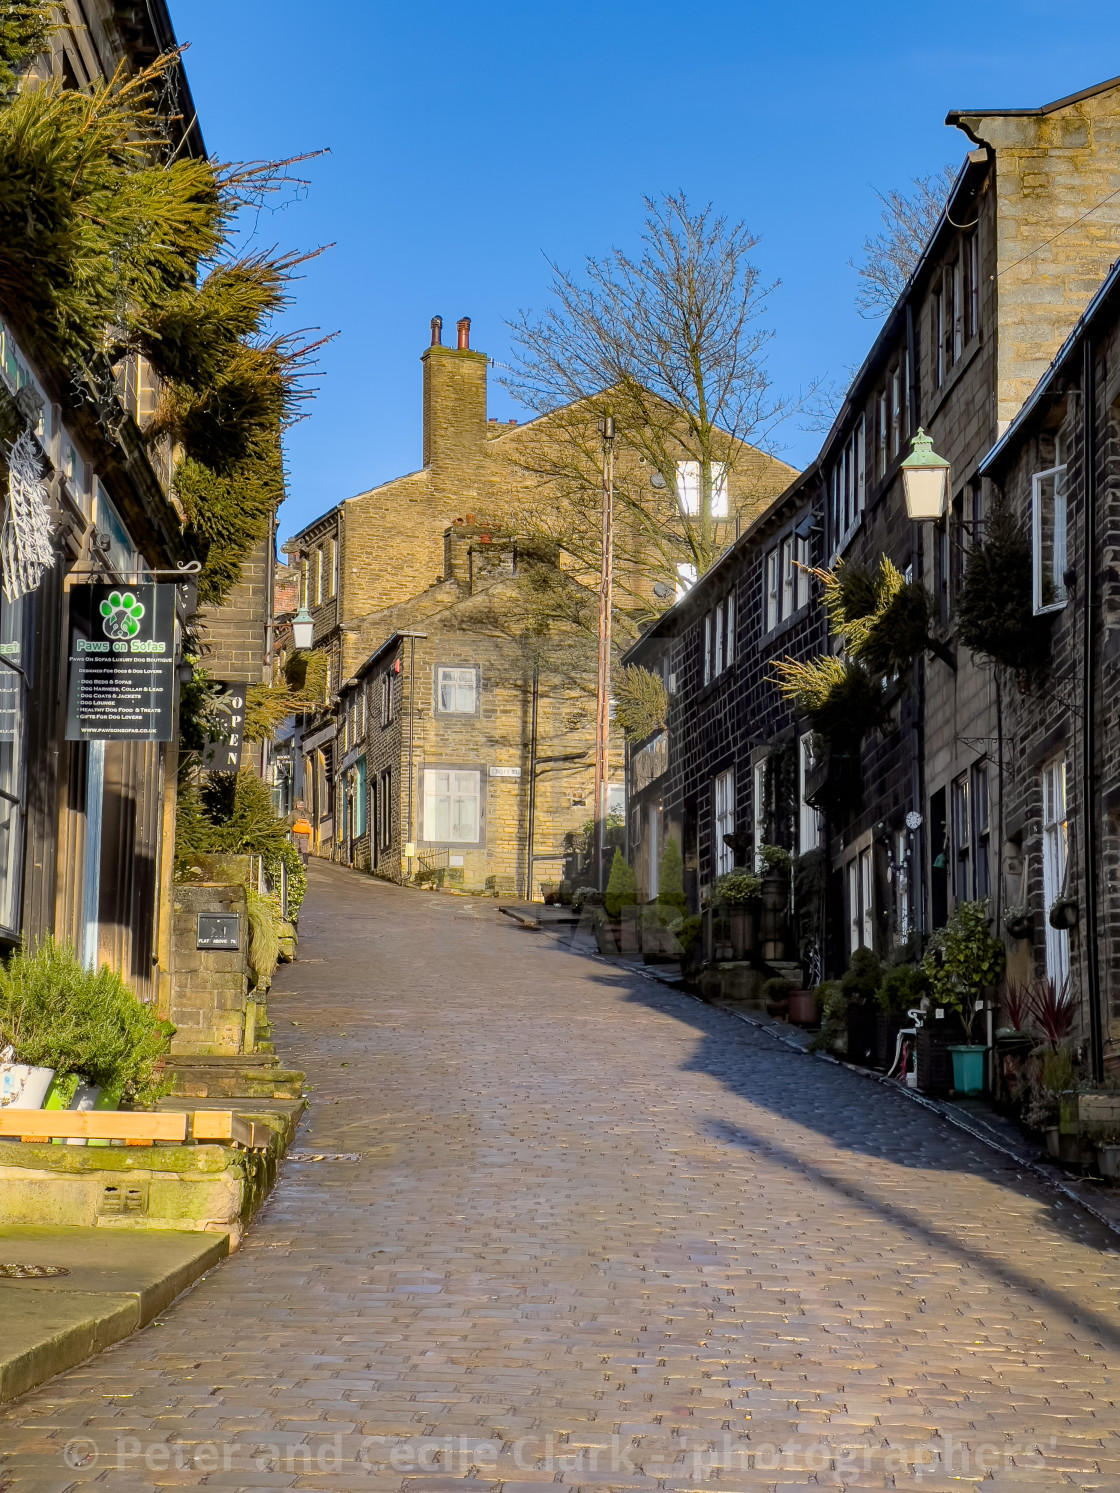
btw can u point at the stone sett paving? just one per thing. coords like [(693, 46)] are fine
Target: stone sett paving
[(602, 1236)]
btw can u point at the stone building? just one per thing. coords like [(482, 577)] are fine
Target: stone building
[(1057, 468), (909, 823), (384, 562)]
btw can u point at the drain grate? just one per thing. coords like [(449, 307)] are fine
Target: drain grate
[(324, 1156), (31, 1272)]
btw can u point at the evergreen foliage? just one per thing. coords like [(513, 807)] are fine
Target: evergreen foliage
[(670, 876), (641, 703), (995, 611), (232, 814), (622, 886), (111, 244), (963, 960), (24, 33)]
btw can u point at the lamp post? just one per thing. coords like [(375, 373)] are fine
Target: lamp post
[(303, 629), (603, 678), (925, 480)]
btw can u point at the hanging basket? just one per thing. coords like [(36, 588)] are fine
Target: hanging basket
[(1064, 913)]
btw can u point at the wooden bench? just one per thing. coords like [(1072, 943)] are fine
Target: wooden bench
[(163, 1127)]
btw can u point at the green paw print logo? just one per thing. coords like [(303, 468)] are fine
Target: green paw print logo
[(122, 613)]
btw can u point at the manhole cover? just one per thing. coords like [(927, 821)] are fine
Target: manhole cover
[(31, 1272), (324, 1156)]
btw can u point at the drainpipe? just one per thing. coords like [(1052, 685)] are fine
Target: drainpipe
[(1088, 724), (532, 807)]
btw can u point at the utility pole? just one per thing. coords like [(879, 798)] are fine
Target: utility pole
[(603, 680)]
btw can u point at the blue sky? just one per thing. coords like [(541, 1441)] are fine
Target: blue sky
[(469, 140)]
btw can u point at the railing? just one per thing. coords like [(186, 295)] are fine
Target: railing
[(429, 865)]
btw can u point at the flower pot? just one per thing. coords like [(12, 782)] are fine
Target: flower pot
[(742, 922), (1108, 1162), (803, 1008), (775, 900), (969, 1069), (1063, 913), (23, 1087), (778, 1009), (775, 893), (1019, 927)]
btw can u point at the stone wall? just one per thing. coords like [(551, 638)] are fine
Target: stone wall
[(210, 1004), (235, 635)]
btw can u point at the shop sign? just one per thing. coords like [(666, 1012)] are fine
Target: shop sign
[(222, 753), (121, 683)]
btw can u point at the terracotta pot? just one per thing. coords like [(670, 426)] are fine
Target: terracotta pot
[(803, 1008), (775, 893), (1063, 914)]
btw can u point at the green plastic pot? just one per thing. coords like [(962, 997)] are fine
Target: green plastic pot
[(969, 1069)]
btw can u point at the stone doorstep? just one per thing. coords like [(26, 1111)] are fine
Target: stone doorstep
[(281, 1115), (117, 1283)]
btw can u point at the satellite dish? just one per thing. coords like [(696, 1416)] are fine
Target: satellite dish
[(656, 480)]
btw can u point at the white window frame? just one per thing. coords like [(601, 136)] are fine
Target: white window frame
[(1057, 474), (319, 576), (896, 410), (854, 921), (653, 848), (809, 818), (462, 785), (771, 596), (686, 577), (800, 573), (902, 883), (707, 648), (457, 677), (729, 630), (758, 806), (723, 816), (786, 572), (688, 488), (867, 897), (1055, 853), (334, 568)]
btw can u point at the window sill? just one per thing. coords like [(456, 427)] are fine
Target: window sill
[(968, 356), (786, 625)]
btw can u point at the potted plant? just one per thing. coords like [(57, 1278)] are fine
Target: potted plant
[(832, 1005), (1019, 921), (22, 1085), (963, 961), (860, 984), (775, 993), (738, 893), (78, 1021), (1013, 1046), (803, 1007), (775, 864)]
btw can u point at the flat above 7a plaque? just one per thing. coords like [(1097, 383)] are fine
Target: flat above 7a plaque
[(218, 930), (122, 663)]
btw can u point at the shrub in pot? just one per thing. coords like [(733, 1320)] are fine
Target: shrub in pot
[(775, 993), (832, 1004), (622, 887), (963, 961), (860, 983), (54, 1013), (737, 893)]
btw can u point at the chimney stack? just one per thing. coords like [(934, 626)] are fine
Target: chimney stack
[(454, 400), (437, 331), (463, 326)]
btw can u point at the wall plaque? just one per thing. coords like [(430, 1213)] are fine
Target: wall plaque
[(218, 930)]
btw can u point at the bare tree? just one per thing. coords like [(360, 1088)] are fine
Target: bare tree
[(671, 344), (890, 255)]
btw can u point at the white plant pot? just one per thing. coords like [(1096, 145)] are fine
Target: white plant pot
[(23, 1087), (85, 1097)]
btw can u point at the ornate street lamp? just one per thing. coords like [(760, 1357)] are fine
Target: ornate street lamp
[(303, 629), (925, 480)]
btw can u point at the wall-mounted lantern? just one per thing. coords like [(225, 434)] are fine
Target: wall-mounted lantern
[(303, 629), (925, 480)]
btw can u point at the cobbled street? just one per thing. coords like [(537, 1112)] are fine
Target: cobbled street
[(598, 1235)]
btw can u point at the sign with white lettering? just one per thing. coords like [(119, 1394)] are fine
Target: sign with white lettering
[(218, 930), (222, 753), (122, 663)]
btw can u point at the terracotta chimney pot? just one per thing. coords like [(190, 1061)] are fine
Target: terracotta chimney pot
[(437, 331), (463, 327)]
